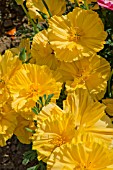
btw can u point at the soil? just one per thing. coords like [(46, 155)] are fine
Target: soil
[(11, 17), (11, 155)]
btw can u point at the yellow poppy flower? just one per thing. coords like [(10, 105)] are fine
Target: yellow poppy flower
[(91, 73), (31, 82), (81, 116), (79, 157), (76, 34), (42, 52), (8, 121), (37, 5), (55, 128)]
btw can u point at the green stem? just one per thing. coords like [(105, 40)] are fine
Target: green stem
[(47, 8), (109, 84), (76, 3), (86, 4), (35, 27)]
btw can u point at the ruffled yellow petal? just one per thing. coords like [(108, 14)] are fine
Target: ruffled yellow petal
[(86, 111), (88, 115), (8, 121), (53, 130), (31, 82), (81, 116), (76, 35), (42, 52), (78, 156), (83, 73), (37, 5), (8, 66)]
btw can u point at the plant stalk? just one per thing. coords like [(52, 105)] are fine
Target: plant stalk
[(47, 8), (34, 25)]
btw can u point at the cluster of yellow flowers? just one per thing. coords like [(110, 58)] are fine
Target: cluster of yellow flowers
[(79, 136)]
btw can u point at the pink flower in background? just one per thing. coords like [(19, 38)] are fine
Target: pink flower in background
[(106, 3)]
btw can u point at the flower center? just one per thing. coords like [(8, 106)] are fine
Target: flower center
[(74, 34), (81, 77), (58, 141), (34, 90)]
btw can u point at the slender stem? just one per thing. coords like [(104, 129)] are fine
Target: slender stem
[(35, 27), (86, 4), (109, 84), (76, 3), (47, 8)]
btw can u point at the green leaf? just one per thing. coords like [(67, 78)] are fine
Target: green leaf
[(45, 97), (43, 101), (49, 99), (29, 156), (39, 26), (43, 15), (33, 167), (50, 96), (35, 110), (40, 101), (25, 161), (41, 166)]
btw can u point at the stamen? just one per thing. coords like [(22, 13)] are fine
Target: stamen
[(58, 141)]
